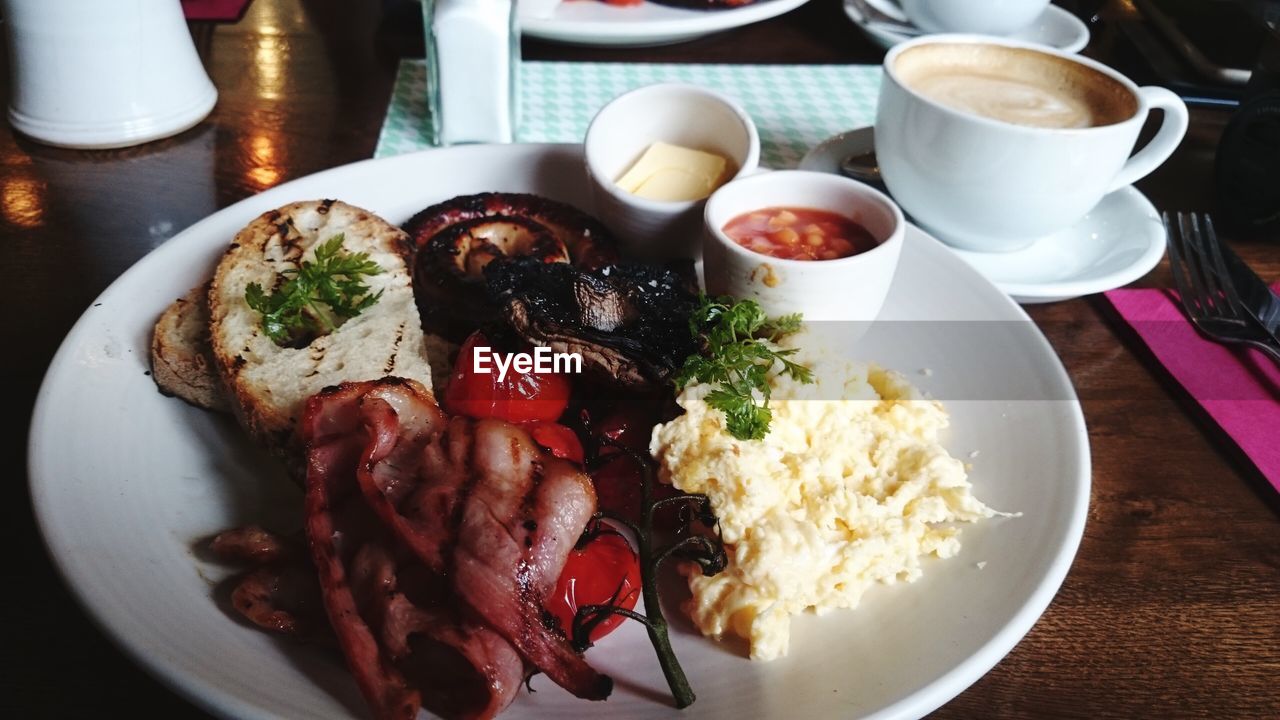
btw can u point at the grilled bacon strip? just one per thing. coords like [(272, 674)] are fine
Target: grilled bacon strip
[(436, 542), (337, 531), (525, 511), (278, 592)]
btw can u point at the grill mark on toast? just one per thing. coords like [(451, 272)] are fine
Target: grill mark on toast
[(316, 353), (395, 350), (291, 240)]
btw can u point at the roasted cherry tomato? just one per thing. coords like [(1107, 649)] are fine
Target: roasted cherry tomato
[(618, 489), (518, 397), (629, 426), (557, 439), (602, 570)]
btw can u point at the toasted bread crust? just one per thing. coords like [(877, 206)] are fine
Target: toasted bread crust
[(269, 384), (181, 357)]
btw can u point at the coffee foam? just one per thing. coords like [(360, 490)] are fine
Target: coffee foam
[(1015, 85)]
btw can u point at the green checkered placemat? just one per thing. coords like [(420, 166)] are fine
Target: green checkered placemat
[(794, 106)]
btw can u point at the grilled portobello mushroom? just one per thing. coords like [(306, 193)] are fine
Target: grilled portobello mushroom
[(629, 321)]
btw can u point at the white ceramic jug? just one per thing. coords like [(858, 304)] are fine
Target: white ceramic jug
[(95, 74)]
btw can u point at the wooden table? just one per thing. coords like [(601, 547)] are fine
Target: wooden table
[(1172, 608)]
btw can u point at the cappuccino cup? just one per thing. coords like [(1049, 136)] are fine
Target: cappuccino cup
[(991, 144), (986, 17)]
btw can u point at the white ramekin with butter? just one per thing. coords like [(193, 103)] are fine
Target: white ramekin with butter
[(654, 154)]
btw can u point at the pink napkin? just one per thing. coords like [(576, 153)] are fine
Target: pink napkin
[(219, 10), (1238, 387)]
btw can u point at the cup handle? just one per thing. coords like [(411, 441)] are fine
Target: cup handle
[(890, 8), (1172, 128)]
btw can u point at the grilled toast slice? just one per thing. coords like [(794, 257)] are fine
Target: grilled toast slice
[(181, 357), (268, 384)]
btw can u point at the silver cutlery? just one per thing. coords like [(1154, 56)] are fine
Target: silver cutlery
[(1255, 295), (862, 167), (1207, 289), (872, 18)]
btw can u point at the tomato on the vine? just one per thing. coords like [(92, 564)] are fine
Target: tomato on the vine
[(603, 570), (518, 397)]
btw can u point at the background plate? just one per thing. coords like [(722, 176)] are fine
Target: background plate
[(1056, 27), (591, 22)]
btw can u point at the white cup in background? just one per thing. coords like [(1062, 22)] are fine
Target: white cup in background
[(995, 185), (678, 114), (988, 17), (845, 289)]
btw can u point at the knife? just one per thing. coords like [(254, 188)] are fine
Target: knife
[(1258, 298)]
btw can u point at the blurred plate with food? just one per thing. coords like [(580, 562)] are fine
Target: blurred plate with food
[(881, 21), (638, 23)]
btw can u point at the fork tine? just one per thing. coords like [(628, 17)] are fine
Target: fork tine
[(1195, 263), (1177, 266), (1219, 268), (1212, 281), (1199, 294)]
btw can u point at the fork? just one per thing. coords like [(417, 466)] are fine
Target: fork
[(1205, 290)]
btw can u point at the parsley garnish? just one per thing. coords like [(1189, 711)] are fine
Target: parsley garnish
[(316, 297), (738, 351)]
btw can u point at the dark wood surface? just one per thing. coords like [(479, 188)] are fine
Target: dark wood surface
[(1172, 608)]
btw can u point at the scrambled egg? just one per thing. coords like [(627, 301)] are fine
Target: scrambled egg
[(839, 496)]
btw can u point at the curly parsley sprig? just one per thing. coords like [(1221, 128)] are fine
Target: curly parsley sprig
[(318, 296), (738, 351)]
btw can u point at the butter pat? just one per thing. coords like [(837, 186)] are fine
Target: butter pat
[(674, 173)]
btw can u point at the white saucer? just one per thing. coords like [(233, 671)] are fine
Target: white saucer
[(1056, 28), (1118, 242)]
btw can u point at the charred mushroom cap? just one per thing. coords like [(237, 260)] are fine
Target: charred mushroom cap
[(628, 321), (448, 273), (458, 238)]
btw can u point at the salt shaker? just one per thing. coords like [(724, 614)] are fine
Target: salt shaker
[(473, 60), (93, 74)]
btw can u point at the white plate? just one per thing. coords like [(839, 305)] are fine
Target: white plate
[(125, 481), (591, 22), (1118, 242), (1055, 27)]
